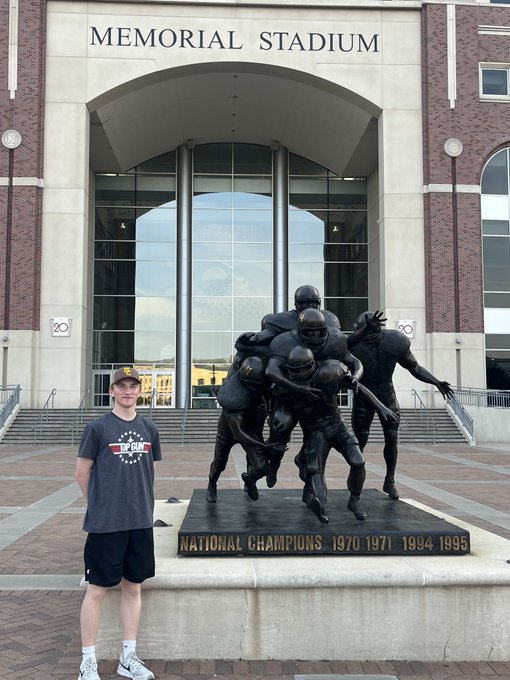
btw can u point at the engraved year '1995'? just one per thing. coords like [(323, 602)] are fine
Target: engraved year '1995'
[(454, 543)]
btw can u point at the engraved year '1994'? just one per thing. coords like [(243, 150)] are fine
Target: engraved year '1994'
[(414, 543)]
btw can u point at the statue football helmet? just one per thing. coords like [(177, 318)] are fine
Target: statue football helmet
[(252, 373), (305, 297), (312, 328), (301, 364), (362, 319)]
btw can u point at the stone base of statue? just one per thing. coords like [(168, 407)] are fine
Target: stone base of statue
[(360, 607), (279, 523)]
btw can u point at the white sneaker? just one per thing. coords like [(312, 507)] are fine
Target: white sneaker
[(88, 670), (133, 667)]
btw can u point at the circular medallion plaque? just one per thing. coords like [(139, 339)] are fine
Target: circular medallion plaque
[(453, 147), (11, 139)]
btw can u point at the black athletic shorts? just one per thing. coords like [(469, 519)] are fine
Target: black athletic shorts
[(119, 554)]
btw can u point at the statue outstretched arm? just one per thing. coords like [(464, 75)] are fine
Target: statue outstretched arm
[(276, 374), (385, 413), (263, 337), (355, 368), (235, 422), (371, 323), (408, 361)]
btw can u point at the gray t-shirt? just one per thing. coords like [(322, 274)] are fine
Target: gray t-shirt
[(121, 484)]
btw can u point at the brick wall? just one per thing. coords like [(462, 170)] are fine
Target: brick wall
[(453, 245), (21, 206)]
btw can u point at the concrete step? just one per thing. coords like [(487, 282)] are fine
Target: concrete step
[(65, 426)]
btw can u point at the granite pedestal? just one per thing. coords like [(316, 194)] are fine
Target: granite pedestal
[(382, 607)]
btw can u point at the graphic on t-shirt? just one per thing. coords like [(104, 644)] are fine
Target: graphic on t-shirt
[(130, 447)]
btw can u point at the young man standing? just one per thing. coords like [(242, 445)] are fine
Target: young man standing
[(115, 471)]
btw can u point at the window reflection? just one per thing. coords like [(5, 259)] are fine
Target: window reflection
[(495, 175), (253, 251), (248, 313), (154, 347), (155, 278), (253, 226), (253, 278), (212, 313), (232, 273), (496, 265), (134, 278), (213, 347), (114, 313), (347, 310), (212, 225), (158, 224), (155, 314), (328, 238), (212, 278)]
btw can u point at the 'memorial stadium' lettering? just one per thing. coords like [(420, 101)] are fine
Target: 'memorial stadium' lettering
[(182, 38)]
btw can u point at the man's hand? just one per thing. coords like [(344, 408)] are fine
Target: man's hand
[(309, 393), (388, 415), (375, 321), (445, 389), (246, 339), (350, 382)]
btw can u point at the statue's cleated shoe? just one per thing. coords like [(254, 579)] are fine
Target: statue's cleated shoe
[(211, 493), (271, 479), (250, 487), (307, 495), (390, 488), (318, 509), (355, 507)]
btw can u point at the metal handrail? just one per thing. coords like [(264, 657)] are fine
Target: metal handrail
[(475, 396), (78, 418), (152, 405), (184, 415), (465, 419), (9, 403), (44, 413), (424, 411)]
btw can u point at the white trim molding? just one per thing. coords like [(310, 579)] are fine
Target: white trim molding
[(12, 68), (448, 188), (451, 38), (22, 182)]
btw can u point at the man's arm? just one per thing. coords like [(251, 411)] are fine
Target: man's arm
[(275, 373), (235, 420), (382, 410), (371, 323), (82, 474), (355, 367), (408, 361)]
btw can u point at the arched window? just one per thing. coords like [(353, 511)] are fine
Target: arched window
[(496, 260), (135, 302)]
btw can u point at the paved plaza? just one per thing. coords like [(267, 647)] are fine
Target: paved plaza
[(41, 545)]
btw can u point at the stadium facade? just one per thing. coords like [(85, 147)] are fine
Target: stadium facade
[(172, 171)]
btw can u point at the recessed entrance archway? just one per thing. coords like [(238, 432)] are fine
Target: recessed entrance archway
[(233, 104)]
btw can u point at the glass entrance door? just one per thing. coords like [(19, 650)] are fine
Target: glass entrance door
[(157, 388), (101, 388)]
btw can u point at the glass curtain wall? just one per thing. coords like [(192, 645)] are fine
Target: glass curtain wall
[(233, 271), (328, 238), (496, 261), (134, 277), (232, 255)]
